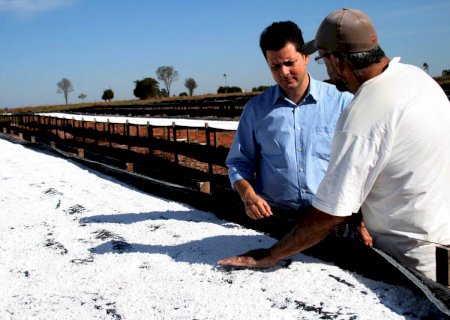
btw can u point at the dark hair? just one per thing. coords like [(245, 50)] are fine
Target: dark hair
[(278, 34), (361, 60)]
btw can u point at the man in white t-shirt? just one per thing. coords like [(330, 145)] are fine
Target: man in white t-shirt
[(390, 154)]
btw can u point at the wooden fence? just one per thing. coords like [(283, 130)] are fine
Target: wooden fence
[(225, 108), (173, 151)]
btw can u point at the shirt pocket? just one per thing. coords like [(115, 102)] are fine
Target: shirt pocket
[(323, 137)]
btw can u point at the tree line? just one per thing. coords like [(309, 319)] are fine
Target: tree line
[(144, 89), (149, 87)]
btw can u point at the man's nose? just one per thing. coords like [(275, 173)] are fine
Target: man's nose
[(284, 71)]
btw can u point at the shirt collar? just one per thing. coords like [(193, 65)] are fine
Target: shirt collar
[(278, 94), (313, 92)]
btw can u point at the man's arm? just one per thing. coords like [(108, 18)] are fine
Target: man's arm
[(255, 206), (311, 229)]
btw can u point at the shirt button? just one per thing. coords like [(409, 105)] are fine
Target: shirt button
[(301, 170), (299, 150)]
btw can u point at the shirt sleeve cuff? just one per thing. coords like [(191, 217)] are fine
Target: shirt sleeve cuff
[(234, 178), (333, 211)]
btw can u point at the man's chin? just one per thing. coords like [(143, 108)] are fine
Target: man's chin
[(288, 86), (341, 86)]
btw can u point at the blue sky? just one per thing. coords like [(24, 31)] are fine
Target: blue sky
[(102, 44)]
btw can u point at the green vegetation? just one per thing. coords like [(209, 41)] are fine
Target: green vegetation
[(146, 88), (260, 88), (108, 95), (228, 89), (190, 84)]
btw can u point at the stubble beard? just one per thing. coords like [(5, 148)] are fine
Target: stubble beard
[(341, 85)]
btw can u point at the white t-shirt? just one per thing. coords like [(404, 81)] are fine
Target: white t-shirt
[(391, 157)]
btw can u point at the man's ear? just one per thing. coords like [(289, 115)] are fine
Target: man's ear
[(307, 58)]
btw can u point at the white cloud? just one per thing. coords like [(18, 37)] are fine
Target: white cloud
[(31, 7)]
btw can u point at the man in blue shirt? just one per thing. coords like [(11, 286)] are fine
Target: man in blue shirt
[(281, 148)]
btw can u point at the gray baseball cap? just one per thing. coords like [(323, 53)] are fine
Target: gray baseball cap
[(345, 30)]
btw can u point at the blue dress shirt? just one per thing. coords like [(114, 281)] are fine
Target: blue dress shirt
[(282, 148)]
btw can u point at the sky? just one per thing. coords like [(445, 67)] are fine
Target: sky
[(76, 244), (109, 44)]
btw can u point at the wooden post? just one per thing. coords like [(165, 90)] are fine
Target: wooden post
[(149, 130), (109, 133), (55, 124), (443, 265), (65, 128), (95, 131), (204, 186), (174, 132), (127, 132), (138, 129), (216, 138), (72, 129), (84, 132), (130, 167), (208, 148), (81, 152), (149, 137)]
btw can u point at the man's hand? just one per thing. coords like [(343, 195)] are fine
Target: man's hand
[(255, 206), (364, 235), (259, 258), (311, 229)]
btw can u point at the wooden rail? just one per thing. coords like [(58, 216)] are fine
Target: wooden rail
[(226, 107), (191, 156)]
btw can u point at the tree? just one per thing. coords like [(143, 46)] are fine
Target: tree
[(446, 72), (167, 74), (163, 93), (65, 86), (190, 84), (108, 95), (425, 67), (82, 96), (228, 89), (146, 88), (260, 88)]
